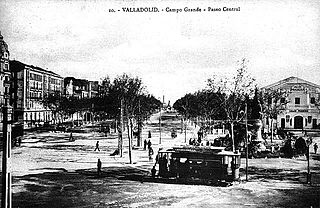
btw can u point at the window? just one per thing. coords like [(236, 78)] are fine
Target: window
[(297, 101), (312, 100), (287, 118)]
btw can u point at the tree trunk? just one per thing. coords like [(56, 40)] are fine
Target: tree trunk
[(271, 130), (129, 133)]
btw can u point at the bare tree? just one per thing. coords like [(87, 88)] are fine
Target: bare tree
[(236, 92), (272, 103)]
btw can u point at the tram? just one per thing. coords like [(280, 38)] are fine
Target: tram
[(202, 163)]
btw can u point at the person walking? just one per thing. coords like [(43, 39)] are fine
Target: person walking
[(150, 153), (315, 147), (149, 144), (145, 144), (71, 139), (97, 146), (99, 165)]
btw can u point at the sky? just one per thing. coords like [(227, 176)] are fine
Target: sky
[(173, 53)]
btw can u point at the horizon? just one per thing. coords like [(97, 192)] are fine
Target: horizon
[(173, 53)]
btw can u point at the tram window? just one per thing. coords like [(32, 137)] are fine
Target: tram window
[(226, 160)]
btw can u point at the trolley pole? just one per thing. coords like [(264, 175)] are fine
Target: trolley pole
[(6, 197), (247, 152)]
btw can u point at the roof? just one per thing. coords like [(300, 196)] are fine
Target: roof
[(17, 65), (199, 150), (290, 80)]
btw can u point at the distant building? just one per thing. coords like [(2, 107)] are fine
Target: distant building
[(299, 109), (4, 76), (80, 88), (30, 84)]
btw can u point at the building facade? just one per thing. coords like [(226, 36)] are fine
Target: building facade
[(80, 88), (4, 76), (300, 110), (30, 85)]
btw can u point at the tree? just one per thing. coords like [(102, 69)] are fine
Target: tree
[(54, 102), (203, 104), (235, 93), (272, 103), (129, 90)]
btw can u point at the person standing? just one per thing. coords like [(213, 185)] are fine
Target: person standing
[(153, 172), (315, 147), (99, 165), (97, 146)]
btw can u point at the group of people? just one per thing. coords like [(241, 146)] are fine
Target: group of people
[(149, 145)]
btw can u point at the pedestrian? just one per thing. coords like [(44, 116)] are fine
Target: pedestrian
[(99, 164), (71, 137), (153, 172), (315, 147), (145, 144), (19, 141), (149, 135), (97, 146), (149, 144)]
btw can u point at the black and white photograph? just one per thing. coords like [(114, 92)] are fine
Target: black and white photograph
[(140, 103)]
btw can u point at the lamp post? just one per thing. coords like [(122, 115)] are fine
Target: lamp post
[(6, 197), (308, 141)]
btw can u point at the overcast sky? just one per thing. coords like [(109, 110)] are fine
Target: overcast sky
[(173, 53)]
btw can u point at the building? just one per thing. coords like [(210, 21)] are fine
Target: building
[(299, 109), (4, 76), (80, 88), (30, 85)]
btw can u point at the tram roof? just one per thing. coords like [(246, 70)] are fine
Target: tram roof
[(199, 149)]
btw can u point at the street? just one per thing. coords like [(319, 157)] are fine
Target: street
[(51, 171)]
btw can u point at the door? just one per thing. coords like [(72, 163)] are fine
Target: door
[(314, 123), (298, 122)]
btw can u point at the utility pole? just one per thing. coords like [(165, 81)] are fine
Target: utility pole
[(120, 130), (185, 123), (139, 141), (247, 151), (160, 124), (6, 197), (185, 131)]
